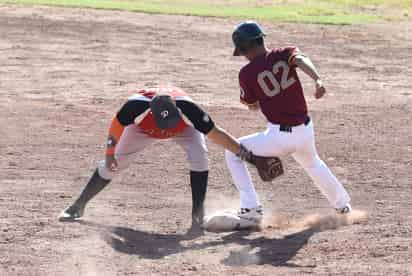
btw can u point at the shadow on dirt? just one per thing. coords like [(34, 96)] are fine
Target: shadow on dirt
[(279, 251), (148, 245), (263, 250), (144, 244), (257, 250)]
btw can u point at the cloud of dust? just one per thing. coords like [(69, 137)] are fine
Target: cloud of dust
[(318, 222), (288, 225), (276, 220)]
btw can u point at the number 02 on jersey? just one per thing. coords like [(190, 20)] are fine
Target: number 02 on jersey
[(269, 76)]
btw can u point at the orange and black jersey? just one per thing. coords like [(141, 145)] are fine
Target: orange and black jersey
[(132, 111), (137, 111)]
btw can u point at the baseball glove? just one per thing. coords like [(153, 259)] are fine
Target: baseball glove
[(268, 167)]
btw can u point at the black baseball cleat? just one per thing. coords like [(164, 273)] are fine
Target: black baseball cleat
[(71, 213)]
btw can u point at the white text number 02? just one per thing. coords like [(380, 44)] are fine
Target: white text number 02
[(270, 76)]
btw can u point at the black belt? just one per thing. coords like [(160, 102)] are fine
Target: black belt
[(287, 128)]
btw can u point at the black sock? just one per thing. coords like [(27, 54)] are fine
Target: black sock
[(198, 183), (93, 187)]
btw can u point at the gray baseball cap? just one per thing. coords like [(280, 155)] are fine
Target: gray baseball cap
[(165, 112)]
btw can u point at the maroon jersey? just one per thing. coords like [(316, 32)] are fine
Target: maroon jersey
[(272, 81)]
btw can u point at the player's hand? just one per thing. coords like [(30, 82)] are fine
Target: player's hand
[(111, 163), (320, 89)]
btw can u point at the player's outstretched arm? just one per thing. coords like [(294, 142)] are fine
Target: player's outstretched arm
[(306, 65), (219, 136), (204, 123), (268, 167), (124, 117)]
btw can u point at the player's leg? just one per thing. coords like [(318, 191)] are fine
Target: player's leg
[(242, 179), (268, 143), (131, 142), (194, 144), (306, 155)]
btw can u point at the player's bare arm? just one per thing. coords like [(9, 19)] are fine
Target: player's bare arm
[(124, 117), (219, 136), (115, 131), (306, 65), (111, 162), (204, 123)]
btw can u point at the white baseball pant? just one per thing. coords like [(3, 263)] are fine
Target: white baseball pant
[(300, 143), (134, 140)]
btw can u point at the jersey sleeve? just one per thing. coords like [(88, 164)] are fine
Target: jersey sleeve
[(199, 118), (247, 96), (291, 53), (131, 110), (124, 117)]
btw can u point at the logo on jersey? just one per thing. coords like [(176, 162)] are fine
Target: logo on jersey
[(164, 114), (111, 142)]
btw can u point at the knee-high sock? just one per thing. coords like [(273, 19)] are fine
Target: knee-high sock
[(198, 183), (93, 187)]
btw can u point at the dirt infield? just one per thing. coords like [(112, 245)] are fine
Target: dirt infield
[(63, 74)]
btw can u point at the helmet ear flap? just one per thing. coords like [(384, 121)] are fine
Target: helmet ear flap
[(239, 42), (236, 52)]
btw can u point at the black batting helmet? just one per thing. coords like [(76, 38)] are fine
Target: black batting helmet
[(245, 33)]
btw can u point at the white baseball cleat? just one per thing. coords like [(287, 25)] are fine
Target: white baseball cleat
[(345, 210), (254, 215), (230, 220)]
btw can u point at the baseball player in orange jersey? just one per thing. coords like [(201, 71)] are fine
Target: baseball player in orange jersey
[(152, 114), (269, 82)]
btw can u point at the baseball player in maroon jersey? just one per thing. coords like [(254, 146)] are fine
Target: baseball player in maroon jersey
[(269, 82), (152, 114)]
